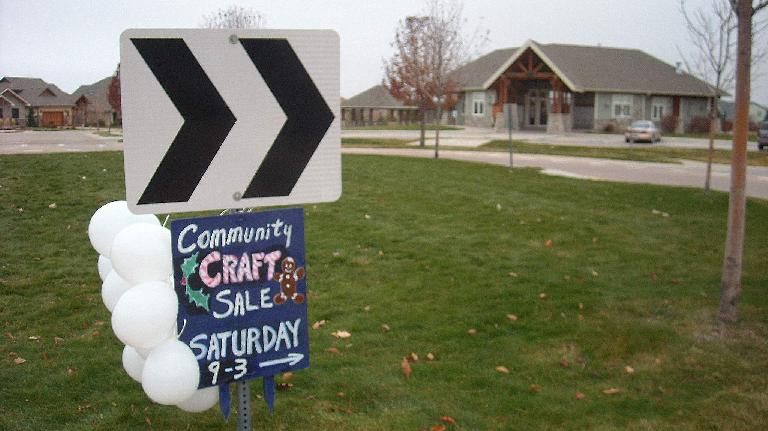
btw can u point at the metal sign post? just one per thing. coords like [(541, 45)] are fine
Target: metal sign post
[(243, 406), (508, 109)]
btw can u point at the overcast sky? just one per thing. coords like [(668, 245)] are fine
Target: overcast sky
[(70, 43)]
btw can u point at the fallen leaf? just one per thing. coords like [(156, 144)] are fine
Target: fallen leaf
[(385, 327), (287, 377), (318, 324), (34, 337), (71, 371), (367, 217), (594, 240), (611, 391), (580, 395), (567, 277), (367, 308), (333, 350), (498, 207), (52, 206), (430, 356), (19, 360), (341, 334), (9, 336), (594, 273), (413, 357), (581, 317), (548, 244), (438, 427), (284, 386), (513, 274), (336, 253), (57, 340), (448, 420), (13, 355), (405, 367), (502, 369), (98, 323), (663, 214), (381, 253), (95, 334), (629, 369), (535, 388), (341, 394), (581, 306), (542, 295), (564, 363), (472, 331), (656, 211), (147, 420), (511, 317)]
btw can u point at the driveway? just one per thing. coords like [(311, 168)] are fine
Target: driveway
[(59, 141), (686, 174), (475, 136)]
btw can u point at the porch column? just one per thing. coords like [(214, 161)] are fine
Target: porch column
[(559, 119)]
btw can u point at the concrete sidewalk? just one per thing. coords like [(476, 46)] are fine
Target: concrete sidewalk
[(685, 174)]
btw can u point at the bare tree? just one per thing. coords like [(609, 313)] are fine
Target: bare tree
[(234, 17), (406, 73), (730, 283), (428, 48), (712, 35), (448, 49)]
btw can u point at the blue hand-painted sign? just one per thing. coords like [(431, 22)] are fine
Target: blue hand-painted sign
[(242, 291)]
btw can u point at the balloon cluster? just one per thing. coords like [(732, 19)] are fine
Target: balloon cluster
[(135, 265)]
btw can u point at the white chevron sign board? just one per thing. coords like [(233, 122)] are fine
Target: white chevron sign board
[(216, 119)]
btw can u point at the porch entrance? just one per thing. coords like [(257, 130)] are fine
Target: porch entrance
[(536, 107)]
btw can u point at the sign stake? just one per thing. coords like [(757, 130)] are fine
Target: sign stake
[(243, 406)]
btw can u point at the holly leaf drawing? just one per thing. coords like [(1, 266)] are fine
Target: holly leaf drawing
[(198, 298), (189, 265)]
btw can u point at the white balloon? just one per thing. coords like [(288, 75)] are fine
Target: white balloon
[(110, 219), (105, 266), (145, 315), (201, 400), (171, 373), (113, 288), (145, 352), (133, 363), (142, 252)]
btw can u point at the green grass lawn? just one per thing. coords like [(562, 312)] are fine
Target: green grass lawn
[(432, 249), (401, 127), (751, 136)]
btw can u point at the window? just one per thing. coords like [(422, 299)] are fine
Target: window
[(15, 113), (622, 105), (478, 103), (657, 113)]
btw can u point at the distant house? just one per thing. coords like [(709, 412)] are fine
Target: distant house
[(93, 104), (376, 106), (50, 106), (558, 88), (757, 112)]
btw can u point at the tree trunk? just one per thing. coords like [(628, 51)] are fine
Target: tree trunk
[(730, 284), (711, 149), (422, 127), (437, 130)]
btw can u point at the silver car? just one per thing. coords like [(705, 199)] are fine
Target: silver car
[(642, 131)]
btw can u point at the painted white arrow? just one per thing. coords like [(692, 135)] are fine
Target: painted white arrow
[(291, 359)]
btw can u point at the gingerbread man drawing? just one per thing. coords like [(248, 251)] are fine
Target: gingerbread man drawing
[(288, 278)]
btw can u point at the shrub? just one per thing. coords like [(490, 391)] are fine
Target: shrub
[(669, 124), (699, 125), (727, 125), (610, 127), (31, 122)]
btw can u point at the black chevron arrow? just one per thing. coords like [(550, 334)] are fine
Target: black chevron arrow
[(207, 119), (307, 117)]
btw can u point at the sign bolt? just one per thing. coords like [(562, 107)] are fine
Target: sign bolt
[(233, 38), (237, 196)]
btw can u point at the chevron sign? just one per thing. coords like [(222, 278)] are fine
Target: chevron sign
[(217, 119)]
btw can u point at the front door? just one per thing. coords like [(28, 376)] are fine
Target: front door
[(536, 107)]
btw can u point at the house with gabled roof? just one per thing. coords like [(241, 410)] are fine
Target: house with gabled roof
[(93, 104), (558, 88), (51, 106), (376, 106)]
